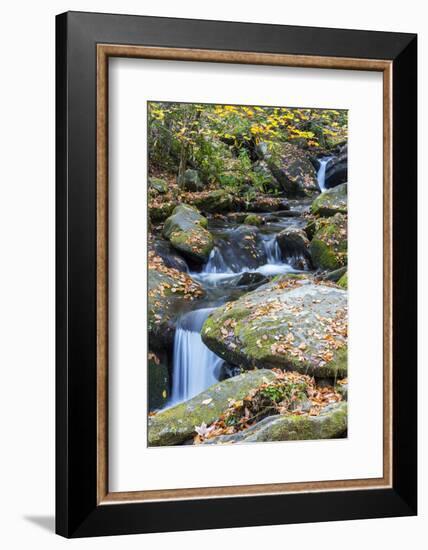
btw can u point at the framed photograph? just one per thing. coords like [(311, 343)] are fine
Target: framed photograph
[(236, 274)]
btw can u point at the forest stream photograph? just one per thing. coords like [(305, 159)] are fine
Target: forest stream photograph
[(247, 274)]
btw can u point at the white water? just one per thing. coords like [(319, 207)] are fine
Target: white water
[(217, 272), (195, 367), (321, 172)]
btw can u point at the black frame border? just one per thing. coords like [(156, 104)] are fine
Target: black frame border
[(77, 512)]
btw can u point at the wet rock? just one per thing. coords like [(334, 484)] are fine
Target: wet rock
[(294, 245), (330, 424), (337, 169), (331, 202), (251, 279), (287, 323), (329, 244), (239, 249), (177, 424), (186, 231)]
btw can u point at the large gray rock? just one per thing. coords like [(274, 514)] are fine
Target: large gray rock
[(290, 323), (186, 231), (331, 202), (330, 424), (177, 424)]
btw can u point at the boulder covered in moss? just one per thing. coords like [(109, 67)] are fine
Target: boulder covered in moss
[(253, 219), (331, 423), (331, 202), (329, 244), (343, 281), (159, 185), (159, 211), (177, 424), (290, 323), (158, 380), (186, 229)]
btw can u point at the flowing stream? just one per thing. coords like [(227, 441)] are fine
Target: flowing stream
[(195, 367)]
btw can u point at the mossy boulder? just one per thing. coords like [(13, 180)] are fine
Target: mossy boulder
[(294, 245), (290, 323), (331, 202), (159, 185), (253, 219), (331, 423), (191, 181), (329, 245), (168, 291), (158, 380), (343, 281), (213, 202), (177, 424), (160, 211), (186, 231)]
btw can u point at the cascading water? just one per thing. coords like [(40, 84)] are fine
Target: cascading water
[(321, 172), (195, 367), (216, 263), (272, 249)]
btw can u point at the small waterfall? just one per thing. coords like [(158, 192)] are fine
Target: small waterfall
[(272, 250), (216, 263), (321, 172), (195, 367)]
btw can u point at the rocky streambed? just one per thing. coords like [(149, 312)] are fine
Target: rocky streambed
[(237, 298)]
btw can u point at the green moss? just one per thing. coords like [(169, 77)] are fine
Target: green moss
[(252, 340), (186, 230), (343, 281), (253, 219), (328, 425), (329, 244), (159, 185), (322, 255)]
